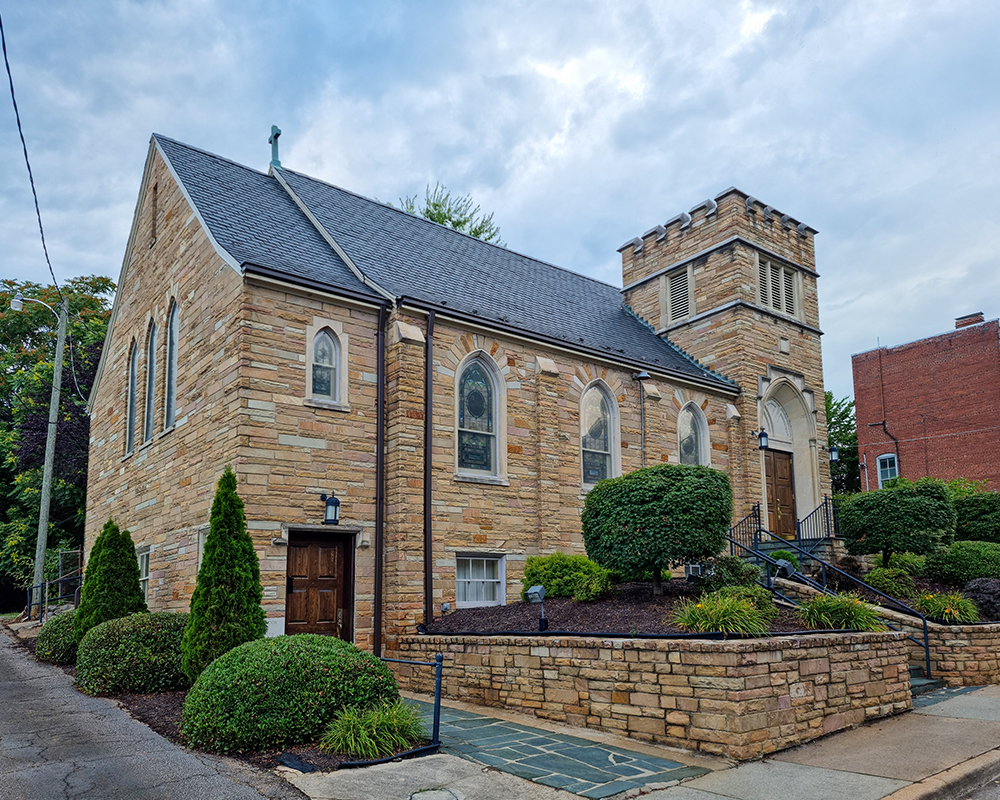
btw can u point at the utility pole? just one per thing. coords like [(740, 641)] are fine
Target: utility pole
[(50, 457)]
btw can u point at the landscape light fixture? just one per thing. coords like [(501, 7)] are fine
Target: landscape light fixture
[(331, 514), (536, 594)]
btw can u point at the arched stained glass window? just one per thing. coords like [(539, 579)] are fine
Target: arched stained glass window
[(477, 441), (147, 423), (691, 436), (170, 385), (133, 371), (325, 366), (596, 436)]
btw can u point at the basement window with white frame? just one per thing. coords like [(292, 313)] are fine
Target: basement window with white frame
[(777, 287), (480, 581)]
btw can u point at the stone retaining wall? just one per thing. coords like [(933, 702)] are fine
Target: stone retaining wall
[(738, 698)]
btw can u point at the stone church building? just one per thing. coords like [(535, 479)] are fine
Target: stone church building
[(457, 398)]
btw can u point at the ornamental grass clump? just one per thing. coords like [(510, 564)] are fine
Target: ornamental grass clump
[(56, 642), (840, 612), (722, 613), (953, 609), (910, 563), (760, 597), (280, 692), (369, 733), (138, 654)]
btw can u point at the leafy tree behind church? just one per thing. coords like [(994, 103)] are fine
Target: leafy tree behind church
[(459, 213), (842, 432), (27, 353), (226, 606)]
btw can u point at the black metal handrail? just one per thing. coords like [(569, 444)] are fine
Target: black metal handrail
[(819, 524), (744, 532), (44, 595), (435, 745), (899, 606)]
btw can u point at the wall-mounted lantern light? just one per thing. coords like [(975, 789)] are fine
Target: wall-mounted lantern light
[(536, 594), (834, 453), (761, 438), (331, 514)]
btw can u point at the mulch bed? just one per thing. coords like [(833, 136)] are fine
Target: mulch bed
[(631, 609)]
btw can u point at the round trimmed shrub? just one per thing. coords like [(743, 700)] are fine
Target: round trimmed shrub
[(892, 581), (565, 575), (978, 517), (985, 593), (56, 642), (964, 561), (137, 654), (279, 692)]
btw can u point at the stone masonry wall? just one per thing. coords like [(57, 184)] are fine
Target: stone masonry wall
[(741, 699), (162, 491)]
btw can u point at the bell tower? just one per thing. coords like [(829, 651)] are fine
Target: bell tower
[(732, 282)]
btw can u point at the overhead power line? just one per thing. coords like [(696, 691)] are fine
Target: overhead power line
[(24, 147)]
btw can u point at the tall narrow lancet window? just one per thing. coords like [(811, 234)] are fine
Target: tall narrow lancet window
[(477, 441), (147, 426), (691, 436), (170, 384), (597, 438), (133, 371), (325, 363)]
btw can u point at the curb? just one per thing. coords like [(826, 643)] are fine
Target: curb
[(954, 783)]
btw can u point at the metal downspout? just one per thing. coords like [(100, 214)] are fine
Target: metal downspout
[(428, 433), (379, 479)]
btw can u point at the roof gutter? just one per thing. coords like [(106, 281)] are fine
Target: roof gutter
[(549, 341)]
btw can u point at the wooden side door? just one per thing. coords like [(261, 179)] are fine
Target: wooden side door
[(780, 493), (318, 586)]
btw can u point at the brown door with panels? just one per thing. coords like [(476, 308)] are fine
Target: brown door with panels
[(318, 587), (780, 493)]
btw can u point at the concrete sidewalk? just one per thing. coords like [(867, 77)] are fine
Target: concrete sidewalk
[(946, 748)]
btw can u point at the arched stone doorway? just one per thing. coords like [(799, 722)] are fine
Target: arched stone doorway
[(789, 466)]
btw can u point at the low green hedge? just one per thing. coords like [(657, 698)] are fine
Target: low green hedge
[(566, 576), (279, 692), (56, 642), (962, 562), (137, 654), (892, 581)]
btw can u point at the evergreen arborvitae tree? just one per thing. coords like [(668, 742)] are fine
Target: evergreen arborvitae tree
[(111, 587), (226, 606)]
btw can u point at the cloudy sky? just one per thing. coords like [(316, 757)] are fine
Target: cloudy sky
[(579, 124)]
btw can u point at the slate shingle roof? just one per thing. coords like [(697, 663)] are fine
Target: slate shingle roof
[(257, 222)]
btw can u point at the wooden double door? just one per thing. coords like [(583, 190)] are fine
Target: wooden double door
[(779, 480), (319, 584)]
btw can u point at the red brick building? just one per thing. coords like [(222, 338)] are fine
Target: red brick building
[(931, 407)]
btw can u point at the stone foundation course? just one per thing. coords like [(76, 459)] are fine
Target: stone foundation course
[(739, 698)]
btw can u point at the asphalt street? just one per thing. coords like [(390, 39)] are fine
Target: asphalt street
[(57, 743)]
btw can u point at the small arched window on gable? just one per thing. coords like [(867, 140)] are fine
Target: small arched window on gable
[(477, 420), (325, 366), (692, 436), (597, 435), (147, 422), (133, 371), (170, 382)]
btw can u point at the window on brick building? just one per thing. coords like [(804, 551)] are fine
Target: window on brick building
[(325, 366), (480, 581), (776, 285), (170, 379), (143, 555), (692, 436), (477, 419), (597, 434), (133, 371), (887, 468), (147, 423)]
